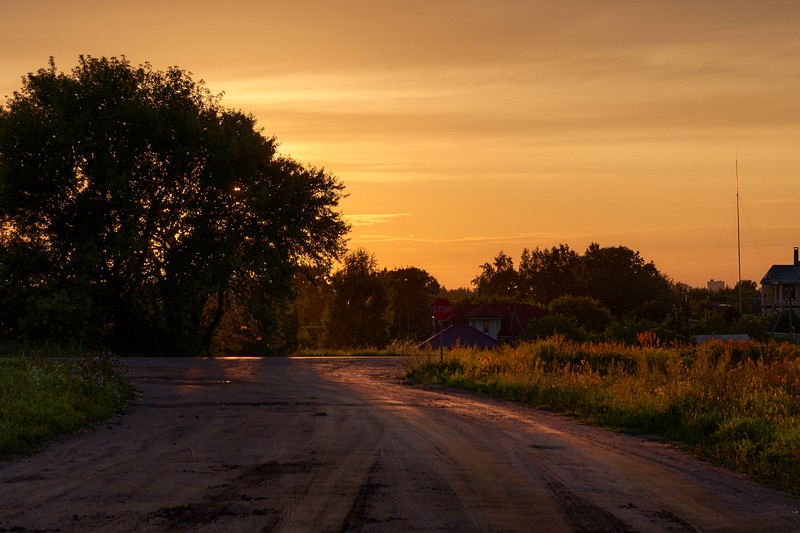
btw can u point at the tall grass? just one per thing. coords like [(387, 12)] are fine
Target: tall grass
[(737, 404), (396, 348), (42, 399)]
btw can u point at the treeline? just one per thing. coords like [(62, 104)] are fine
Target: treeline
[(612, 293), (606, 293)]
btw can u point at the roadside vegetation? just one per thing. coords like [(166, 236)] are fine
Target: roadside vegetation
[(41, 399), (735, 403)]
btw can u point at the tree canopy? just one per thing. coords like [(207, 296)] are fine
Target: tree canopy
[(616, 277), (412, 290), (136, 210), (358, 314), (498, 280), (549, 274)]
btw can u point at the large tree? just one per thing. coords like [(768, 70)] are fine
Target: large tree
[(135, 209), (498, 281), (546, 274), (359, 311), (620, 279), (412, 290)]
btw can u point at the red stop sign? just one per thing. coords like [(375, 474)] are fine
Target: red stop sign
[(442, 309)]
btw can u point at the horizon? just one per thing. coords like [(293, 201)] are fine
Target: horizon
[(461, 129)]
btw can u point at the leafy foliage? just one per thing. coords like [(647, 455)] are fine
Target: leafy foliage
[(358, 314), (40, 400), (411, 290), (620, 279), (136, 210), (548, 274), (616, 277), (498, 280), (556, 325), (587, 312)]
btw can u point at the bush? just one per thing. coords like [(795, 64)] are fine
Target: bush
[(42, 399), (556, 325)]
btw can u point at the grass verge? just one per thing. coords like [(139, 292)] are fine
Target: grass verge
[(737, 404), (42, 399), (393, 350)]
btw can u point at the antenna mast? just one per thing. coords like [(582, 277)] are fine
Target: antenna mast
[(738, 232)]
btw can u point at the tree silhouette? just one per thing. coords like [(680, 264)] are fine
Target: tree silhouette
[(133, 192), (358, 313), (498, 280), (412, 290), (620, 279), (547, 274)]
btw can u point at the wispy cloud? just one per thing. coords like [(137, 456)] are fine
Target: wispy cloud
[(372, 219)]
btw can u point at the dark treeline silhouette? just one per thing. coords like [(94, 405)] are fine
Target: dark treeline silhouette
[(612, 293), (617, 277), (606, 293), (361, 305)]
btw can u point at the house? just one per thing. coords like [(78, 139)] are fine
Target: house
[(459, 335), (504, 323), (780, 286), (484, 325)]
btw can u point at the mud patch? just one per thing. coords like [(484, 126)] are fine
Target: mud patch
[(231, 500), (546, 447), (585, 516), (358, 516), (268, 471), (673, 522)]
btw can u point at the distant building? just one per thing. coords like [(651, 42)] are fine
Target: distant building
[(484, 325), (715, 285), (780, 287)]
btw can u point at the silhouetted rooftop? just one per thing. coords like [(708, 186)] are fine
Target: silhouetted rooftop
[(459, 335)]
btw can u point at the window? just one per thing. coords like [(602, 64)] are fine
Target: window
[(788, 293)]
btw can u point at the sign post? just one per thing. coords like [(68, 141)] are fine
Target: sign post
[(441, 310)]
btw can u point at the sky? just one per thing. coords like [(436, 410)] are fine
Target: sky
[(461, 128)]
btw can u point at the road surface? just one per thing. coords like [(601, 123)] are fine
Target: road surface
[(344, 444)]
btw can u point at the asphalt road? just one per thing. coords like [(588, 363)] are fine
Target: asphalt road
[(345, 444)]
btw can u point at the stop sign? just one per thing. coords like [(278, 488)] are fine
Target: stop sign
[(442, 309)]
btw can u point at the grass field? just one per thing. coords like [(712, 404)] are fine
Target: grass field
[(737, 404), (42, 399)]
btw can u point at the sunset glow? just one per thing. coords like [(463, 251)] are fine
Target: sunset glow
[(462, 128)]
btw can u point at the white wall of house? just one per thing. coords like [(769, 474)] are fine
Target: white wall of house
[(774, 298), (490, 326)]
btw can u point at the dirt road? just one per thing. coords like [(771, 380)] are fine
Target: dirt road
[(333, 444)]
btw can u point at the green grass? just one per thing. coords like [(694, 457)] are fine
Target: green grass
[(394, 349), (737, 404), (42, 399)]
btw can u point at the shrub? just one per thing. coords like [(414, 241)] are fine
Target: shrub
[(41, 399)]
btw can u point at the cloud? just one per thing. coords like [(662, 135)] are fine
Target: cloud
[(372, 219)]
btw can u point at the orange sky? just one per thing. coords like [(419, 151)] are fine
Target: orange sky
[(462, 127)]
